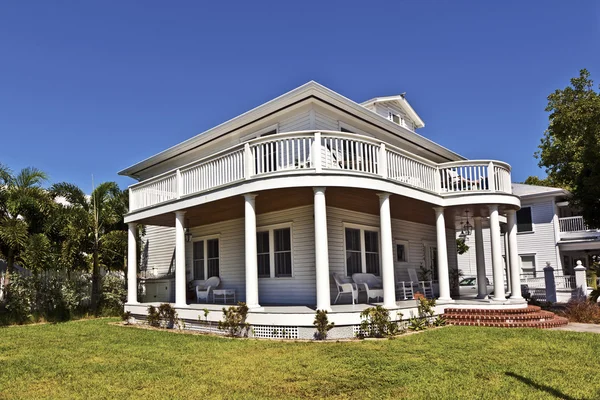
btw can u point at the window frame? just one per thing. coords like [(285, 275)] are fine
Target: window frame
[(363, 252), (531, 217), (205, 239), (535, 264), (406, 245), (271, 229), (400, 122)]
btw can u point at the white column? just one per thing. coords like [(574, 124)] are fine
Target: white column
[(497, 264), (442, 255), (513, 251), (387, 255), (132, 263), (507, 263), (251, 258), (321, 251), (180, 289), (480, 260)]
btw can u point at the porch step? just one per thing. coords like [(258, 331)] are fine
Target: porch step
[(530, 317)]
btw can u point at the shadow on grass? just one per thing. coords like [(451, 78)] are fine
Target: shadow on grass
[(554, 392)]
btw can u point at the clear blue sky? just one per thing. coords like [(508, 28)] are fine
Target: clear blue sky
[(93, 87)]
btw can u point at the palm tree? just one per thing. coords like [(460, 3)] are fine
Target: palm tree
[(24, 205), (105, 238)]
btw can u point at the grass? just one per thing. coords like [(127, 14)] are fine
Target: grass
[(94, 359)]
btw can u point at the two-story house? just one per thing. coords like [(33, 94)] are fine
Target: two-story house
[(306, 198)]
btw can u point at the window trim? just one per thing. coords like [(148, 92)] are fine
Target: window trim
[(259, 133), (363, 253), (406, 244), (535, 263), (532, 224), (401, 120), (270, 229), (205, 239)]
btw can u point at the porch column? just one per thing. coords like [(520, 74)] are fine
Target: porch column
[(387, 255), (251, 257), (480, 260), (321, 251), (442, 255), (180, 290), (513, 251), (497, 266), (132, 263)]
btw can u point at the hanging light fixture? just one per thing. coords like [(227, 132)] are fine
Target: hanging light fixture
[(467, 228), (188, 234)]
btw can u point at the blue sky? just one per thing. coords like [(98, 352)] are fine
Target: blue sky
[(89, 88)]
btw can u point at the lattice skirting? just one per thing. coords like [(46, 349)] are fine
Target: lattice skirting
[(275, 332)]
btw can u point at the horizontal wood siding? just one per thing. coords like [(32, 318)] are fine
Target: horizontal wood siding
[(297, 122), (160, 242), (384, 108), (326, 122)]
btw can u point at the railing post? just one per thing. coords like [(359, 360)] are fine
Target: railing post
[(382, 165), (132, 205), (550, 283), (437, 180), (178, 184), (316, 153), (491, 177), (580, 281), (247, 161)]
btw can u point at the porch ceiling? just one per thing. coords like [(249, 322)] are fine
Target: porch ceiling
[(360, 200)]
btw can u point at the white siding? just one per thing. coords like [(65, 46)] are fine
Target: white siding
[(160, 243), (326, 122), (383, 109), (298, 122)]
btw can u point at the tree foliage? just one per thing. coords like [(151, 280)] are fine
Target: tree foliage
[(570, 147)]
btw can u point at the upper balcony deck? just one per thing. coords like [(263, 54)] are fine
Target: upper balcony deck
[(321, 152)]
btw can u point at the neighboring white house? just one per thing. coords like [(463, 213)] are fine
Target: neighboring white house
[(549, 231), (276, 200)]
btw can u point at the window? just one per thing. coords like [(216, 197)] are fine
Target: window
[(524, 221), (362, 250), (431, 263), (402, 250), (274, 248), (206, 258), (395, 118), (528, 265)]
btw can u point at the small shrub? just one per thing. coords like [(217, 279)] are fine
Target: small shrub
[(20, 299), (167, 315), (439, 321), (234, 320), (376, 322), (417, 324), (425, 308), (583, 311), (113, 295), (153, 316), (322, 324)]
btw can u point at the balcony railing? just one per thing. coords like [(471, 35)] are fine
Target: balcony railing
[(574, 224), (321, 152)]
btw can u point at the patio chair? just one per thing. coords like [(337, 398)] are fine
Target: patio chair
[(203, 291), (407, 289), (425, 286), (370, 284), (345, 286)]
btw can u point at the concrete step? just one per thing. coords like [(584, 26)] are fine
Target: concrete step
[(530, 317)]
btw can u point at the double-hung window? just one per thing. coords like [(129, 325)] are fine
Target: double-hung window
[(206, 258), (362, 250), (524, 220), (274, 251)]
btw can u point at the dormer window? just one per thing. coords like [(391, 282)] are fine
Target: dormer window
[(395, 118)]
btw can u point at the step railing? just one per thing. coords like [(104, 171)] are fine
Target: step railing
[(320, 152)]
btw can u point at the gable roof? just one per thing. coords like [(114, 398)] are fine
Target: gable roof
[(523, 190), (402, 103), (309, 90)]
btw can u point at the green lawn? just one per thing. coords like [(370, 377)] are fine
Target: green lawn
[(93, 359)]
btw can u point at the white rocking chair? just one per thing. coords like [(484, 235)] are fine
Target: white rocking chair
[(345, 286), (425, 286), (202, 292)]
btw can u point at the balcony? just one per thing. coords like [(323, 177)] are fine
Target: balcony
[(576, 228), (321, 152)]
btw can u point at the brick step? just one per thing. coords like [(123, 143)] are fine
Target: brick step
[(535, 316), (555, 322), (488, 311)]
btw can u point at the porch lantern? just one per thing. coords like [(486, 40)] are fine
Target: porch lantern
[(188, 234), (467, 228)]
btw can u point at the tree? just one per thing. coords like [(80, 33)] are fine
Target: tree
[(571, 144), (534, 180), (24, 205), (104, 236)]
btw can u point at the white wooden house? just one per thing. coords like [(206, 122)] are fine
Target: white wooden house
[(549, 232), (276, 200)]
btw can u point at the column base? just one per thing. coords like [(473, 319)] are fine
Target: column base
[(445, 300), (482, 296), (182, 305), (256, 308)]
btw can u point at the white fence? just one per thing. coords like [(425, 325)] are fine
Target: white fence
[(572, 224), (321, 152)]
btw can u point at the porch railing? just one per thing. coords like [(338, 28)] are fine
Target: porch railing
[(321, 152)]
